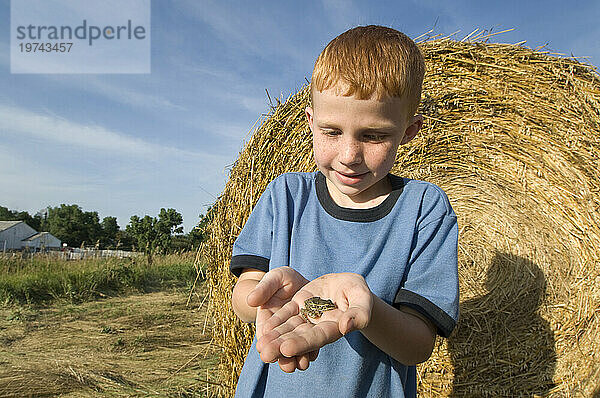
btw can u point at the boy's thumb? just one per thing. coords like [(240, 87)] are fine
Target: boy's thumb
[(350, 325), (347, 325), (264, 289), (254, 298), (352, 320)]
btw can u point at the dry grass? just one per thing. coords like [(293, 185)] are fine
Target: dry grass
[(135, 346), (513, 136)]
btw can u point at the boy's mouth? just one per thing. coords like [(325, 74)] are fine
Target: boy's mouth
[(349, 178)]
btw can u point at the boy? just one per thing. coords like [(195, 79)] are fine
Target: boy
[(382, 248)]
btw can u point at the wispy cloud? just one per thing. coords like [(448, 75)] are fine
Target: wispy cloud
[(117, 91), (47, 160), (53, 128), (263, 34), (31, 182), (207, 72), (205, 75), (129, 96), (31, 185)]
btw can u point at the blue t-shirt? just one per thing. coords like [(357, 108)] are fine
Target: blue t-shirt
[(405, 248)]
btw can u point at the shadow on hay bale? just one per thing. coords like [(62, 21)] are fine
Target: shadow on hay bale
[(496, 328), (513, 137)]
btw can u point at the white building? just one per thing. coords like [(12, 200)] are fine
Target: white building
[(16, 235)]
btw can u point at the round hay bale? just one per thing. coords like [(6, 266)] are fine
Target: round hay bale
[(513, 137)]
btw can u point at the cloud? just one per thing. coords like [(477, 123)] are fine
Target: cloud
[(255, 105), (55, 129), (31, 184), (210, 72), (237, 86), (48, 160), (117, 92), (257, 29), (128, 96), (120, 189)]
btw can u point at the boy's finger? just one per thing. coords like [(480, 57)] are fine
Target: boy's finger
[(268, 338), (275, 335), (269, 350), (271, 339), (294, 324), (261, 317), (268, 345), (306, 339), (302, 362), (264, 289), (288, 365), (281, 316)]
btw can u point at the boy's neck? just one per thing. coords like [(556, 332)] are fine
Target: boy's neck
[(371, 197)]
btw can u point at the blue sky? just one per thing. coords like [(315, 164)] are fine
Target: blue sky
[(125, 144)]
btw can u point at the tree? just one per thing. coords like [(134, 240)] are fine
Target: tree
[(110, 229), (154, 235), (124, 240), (6, 215), (181, 243), (198, 234), (72, 225), (195, 237), (12, 215)]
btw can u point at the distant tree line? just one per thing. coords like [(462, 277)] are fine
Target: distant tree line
[(152, 235)]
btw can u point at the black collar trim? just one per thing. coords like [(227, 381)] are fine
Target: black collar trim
[(358, 215)]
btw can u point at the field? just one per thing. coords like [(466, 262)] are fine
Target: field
[(135, 337)]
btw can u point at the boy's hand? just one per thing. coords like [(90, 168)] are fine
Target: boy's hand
[(274, 290), (287, 333)]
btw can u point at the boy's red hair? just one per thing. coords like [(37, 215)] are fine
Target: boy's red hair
[(372, 61)]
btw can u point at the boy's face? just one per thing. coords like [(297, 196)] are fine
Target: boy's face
[(355, 143)]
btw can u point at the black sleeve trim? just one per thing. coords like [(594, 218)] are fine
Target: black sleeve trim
[(444, 322), (238, 263)]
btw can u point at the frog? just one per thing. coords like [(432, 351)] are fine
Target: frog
[(315, 306)]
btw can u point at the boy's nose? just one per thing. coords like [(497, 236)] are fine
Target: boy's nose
[(350, 153)]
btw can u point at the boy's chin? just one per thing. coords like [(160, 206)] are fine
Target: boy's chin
[(364, 189), (346, 195)]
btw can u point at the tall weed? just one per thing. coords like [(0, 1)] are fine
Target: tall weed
[(41, 279)]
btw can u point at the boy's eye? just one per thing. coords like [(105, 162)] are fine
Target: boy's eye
[(330, 132), (374, 137)]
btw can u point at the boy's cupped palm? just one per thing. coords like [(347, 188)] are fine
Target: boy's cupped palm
[(285, 334)]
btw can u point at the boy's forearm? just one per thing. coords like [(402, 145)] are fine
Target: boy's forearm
[(403, 336), (238, 300)]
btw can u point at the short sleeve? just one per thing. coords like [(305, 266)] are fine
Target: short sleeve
[(430, 285), (252, 248)]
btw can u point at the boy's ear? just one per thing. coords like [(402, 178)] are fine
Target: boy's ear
[(413, 128), (309, 116)]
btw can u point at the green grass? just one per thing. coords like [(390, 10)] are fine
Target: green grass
[(42, 279)]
